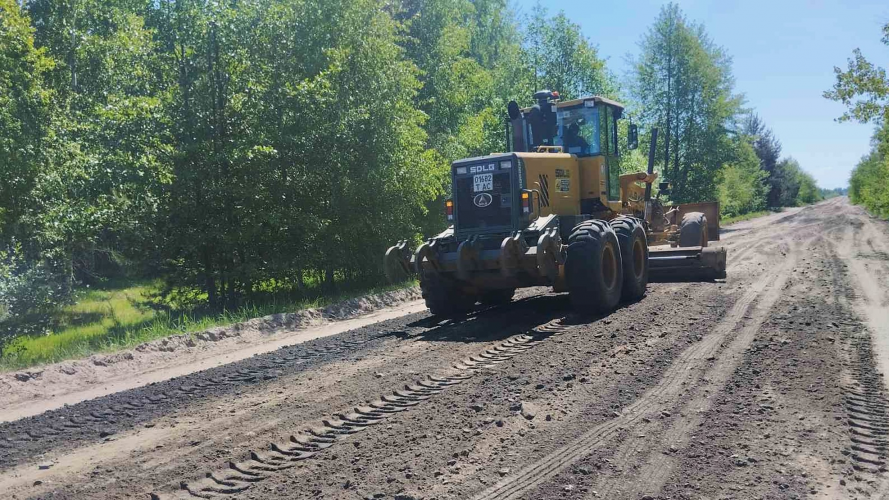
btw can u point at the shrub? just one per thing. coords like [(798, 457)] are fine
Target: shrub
[(29, 293)]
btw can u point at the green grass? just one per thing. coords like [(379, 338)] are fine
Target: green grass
[(724, 221), (124, 315)]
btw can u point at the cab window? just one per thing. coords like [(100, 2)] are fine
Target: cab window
[(578, 131)]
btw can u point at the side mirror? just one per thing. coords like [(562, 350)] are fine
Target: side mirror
[(633, 136), (664, 188)]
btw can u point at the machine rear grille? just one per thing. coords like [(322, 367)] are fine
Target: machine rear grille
[(486, 208)]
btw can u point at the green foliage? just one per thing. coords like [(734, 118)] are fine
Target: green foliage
[(29, 295), (684, 86), (768, 150), (864, 89), (747, 216), (24, 117), (288, 163), (868, 184), (798, 187), (97, 194), (833, 193), (563, 59), (808, 190), (741, 189), (120, 315), (710, 147)]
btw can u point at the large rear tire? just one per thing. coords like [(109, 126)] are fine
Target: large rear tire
[(634, 255), (442, 297), (593, 270), (497, 297), (693, 230)]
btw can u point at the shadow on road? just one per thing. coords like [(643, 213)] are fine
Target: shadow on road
[(493, 323)]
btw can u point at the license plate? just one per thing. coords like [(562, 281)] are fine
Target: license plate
[(482, 182)]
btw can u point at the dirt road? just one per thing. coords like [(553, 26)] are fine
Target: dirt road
[(766, 386)]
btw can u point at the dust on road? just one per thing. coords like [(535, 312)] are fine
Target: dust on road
[(765, 386)]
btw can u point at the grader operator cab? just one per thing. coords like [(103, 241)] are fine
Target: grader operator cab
[(555, 211)]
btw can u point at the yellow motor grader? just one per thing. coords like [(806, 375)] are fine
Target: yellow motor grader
[(555, 211)]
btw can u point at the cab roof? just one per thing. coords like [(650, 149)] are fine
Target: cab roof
[(574, 102), (595, 98), (480, 159)]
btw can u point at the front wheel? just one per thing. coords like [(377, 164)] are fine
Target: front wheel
[(593, 269)]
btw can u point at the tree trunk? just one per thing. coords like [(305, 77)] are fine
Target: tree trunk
[(209, 279), (328, 278), (300, 280), (669, 99)]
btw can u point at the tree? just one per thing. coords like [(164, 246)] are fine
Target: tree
[(563, 59), (28, 285), (867, 184), (683, 84), (768, 150), (797, 186), (863, 88), (808, 190), (110, 155), (741, 187), (24, 118), (296, 150), (471, 64), (833, 193)]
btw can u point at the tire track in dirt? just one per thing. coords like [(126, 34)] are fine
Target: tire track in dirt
[(98, 419), (739, 230), (865, 401), (238, 477), (769, 229), (650, 478), (865, 404), (868, 275), (668, 388), (765, 235), (866, 407), (741, 256)]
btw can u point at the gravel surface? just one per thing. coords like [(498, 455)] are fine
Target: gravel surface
[(765, 386)]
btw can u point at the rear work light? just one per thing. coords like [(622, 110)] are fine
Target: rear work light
[(449, 210), (526, 202)]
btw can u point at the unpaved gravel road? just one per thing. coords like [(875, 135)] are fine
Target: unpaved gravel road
[(765, 386)]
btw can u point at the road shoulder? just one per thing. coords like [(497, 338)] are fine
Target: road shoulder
[(36, 390)]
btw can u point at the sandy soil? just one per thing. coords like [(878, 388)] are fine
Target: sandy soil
[(766, 386)]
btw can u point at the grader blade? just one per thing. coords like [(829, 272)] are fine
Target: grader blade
[(687, 263)]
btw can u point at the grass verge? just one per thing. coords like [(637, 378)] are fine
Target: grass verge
[(121, 316), (724, 221)]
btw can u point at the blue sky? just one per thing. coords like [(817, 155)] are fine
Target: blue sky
[(784, 53)]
